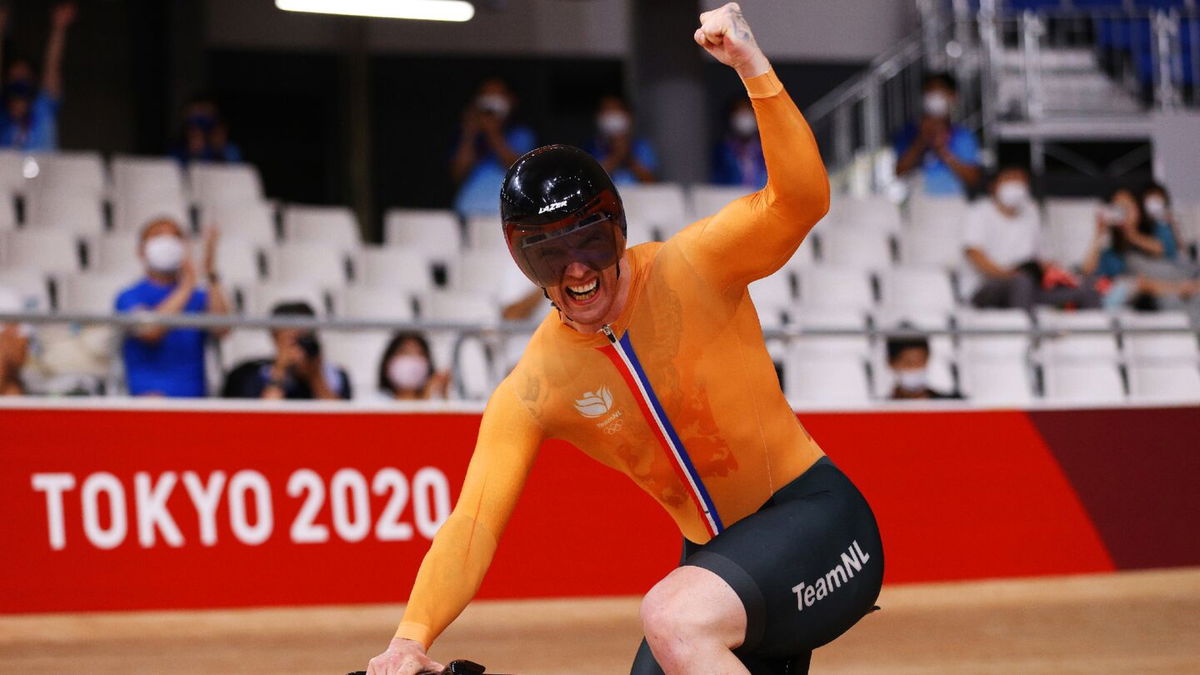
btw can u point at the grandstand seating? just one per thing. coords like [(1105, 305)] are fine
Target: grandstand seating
[(866, 264)]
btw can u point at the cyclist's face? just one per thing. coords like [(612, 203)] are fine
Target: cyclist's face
[(587, 296)]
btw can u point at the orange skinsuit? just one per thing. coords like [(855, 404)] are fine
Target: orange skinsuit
[(689, 345)]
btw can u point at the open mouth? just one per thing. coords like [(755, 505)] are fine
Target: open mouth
[(583, 293)]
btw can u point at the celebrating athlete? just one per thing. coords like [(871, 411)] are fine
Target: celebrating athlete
[(655, 365)]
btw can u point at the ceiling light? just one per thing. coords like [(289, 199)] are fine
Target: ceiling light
[(425, 10)]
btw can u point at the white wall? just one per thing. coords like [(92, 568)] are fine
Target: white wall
[(523, 27), (827, 30)]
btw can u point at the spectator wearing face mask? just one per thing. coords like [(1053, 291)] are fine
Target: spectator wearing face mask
[(908, 359), (945, 154), (1135, 251), (14, 346), (298, 371), (29, 118), (489, 143), (738, 158), (628, 159), (162, 361), (1002, 242), (406, 372), (204, 136)]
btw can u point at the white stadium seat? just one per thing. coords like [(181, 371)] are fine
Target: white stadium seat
[(996, 381), (133, 211), (394, 268), (659, 206), (480, 271), (1083, 382), (1077, 348), (253, 221), (707, 200), (773, 297), (908, 288), (261, 298), (359, 353), (80, 173), (925, 246), (30, 285), (435, 234), (326, 225), (64, 210), (837, 287), (115, 253), (485, 233), (93, 293), (1178, 383), (941, 214), (458, 306), (639, 233), (134, 175), (1004, 348), (373, 302), (875, 213), (47, 251), (858, 247), (308, 262), (12, 173), (824, 346), (1160, 349), (826, 380), (246, 344), (237, 260), (216, 183)]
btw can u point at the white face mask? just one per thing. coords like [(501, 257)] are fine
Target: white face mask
[(497, 104), (613, 123), (164, 253), (912, 380), (937, 104), (1013, 194), (408, 372), (744, 123), (1156, 207)]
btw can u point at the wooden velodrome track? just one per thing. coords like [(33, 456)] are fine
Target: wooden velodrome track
[(1134, 622)]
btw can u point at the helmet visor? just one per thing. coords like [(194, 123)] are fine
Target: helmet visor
[(543, 256)]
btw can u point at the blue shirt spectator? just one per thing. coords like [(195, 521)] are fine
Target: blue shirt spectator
[(29, 118), (204, 136), (738, 158), (174, 365), (946, 154), (162, 361), (627, 158), (488, 145)]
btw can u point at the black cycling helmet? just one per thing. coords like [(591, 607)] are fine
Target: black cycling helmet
[(558, 206)]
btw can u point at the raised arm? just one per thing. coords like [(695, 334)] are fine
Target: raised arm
[(454, 567), (61, 18), (754, 236)]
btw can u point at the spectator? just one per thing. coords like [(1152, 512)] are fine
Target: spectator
[(946, 154), (298, 370), (14, 346), (162, 361), (1001, 241), (204, 136), (406, 372), (738, 159), (490, 142), (29, 118), (627, 158), (908, 357), (1136, 252)]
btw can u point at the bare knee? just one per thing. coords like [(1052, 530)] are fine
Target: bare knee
[(690, 614)]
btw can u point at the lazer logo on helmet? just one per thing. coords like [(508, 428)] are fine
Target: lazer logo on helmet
[(555, 205)]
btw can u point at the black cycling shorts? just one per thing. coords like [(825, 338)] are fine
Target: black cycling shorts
[(806, 566)]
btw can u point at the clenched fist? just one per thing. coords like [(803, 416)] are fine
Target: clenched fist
[(724, 33)]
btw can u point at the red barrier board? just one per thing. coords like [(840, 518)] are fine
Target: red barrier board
[(133, 509)]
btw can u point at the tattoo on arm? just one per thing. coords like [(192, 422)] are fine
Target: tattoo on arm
[(740, 27)]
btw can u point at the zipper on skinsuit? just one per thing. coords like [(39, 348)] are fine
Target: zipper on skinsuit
[(657, 417)]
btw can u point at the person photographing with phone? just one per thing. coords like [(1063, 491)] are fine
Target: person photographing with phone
[(655, 366), (298, 370)]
